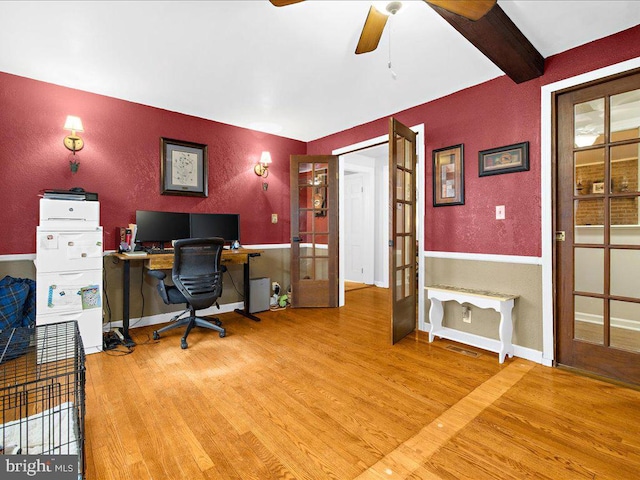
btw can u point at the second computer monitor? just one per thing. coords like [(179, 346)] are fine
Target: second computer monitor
[(225, 225)]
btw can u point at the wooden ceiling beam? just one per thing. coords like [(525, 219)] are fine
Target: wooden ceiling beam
[(498, 38)]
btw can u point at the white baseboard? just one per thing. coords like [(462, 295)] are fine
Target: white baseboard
[(90, 350), (622, 323), (489, 344), (166, 317)]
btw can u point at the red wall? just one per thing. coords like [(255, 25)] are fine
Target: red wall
[(121, 162), (492, 114)]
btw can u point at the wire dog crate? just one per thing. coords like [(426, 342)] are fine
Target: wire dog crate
[(42, 391)]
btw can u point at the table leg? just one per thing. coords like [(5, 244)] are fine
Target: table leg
[(505, 330), (245, 312), (126, 288), (436, 312)]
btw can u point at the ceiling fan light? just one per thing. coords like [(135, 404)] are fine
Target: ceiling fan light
[(585, 140), (585, 137), (387, 8)]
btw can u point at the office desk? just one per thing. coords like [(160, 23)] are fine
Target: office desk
[(164, 261)]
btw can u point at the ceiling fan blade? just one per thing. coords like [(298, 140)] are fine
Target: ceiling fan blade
[(471, 9), (372, 31), (284, 3)]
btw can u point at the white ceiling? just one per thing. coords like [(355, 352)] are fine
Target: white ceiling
[(293, 69)]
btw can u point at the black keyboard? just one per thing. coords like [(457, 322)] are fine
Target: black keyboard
[(157, 251)]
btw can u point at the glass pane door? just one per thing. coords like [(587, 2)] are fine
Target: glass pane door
[(314, 221), (599, 263)]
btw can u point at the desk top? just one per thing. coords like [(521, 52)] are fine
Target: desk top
[(160, 261)]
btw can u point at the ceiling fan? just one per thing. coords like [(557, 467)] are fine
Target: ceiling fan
[(376, 20)]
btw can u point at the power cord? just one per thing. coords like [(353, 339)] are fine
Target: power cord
[(234, 284)]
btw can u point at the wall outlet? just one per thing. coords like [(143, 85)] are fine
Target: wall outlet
[(466, 314), (274, 218), (500, 212)]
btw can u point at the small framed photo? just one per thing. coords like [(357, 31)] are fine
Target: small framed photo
[(448, 176), (598, 187), (183, 168), (512, 158)]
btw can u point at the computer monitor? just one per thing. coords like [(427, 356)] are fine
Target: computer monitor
[(161, 227), (225, 225)]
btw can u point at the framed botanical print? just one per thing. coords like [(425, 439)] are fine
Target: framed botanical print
[(183, 168), (448, 176)]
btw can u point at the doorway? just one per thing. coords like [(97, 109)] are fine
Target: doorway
[(365, 215), (598, 228), (378, 147)]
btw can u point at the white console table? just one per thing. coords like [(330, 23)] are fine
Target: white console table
[(500, 302)]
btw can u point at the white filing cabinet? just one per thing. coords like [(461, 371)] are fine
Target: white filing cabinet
[(69, 267)]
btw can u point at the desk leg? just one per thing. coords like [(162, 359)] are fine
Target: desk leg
[(247, 295), (126, 288), (505, 330), (436, 312)]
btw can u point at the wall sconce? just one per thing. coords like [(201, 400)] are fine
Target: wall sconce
[(262, 168), (73, 142)]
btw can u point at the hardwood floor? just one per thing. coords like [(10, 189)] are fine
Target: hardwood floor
[(320, 394), (350, 286)]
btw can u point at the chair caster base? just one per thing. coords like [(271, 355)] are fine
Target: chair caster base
[(183, 344), (156, 335), (223, 334)]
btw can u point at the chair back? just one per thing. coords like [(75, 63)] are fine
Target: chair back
[(197, 270)]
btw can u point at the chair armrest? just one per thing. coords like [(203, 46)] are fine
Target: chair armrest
[(159, 274)]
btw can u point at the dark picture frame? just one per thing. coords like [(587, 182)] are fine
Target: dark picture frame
[(508, 159), (448, 176), (320, 193), (183, 168)]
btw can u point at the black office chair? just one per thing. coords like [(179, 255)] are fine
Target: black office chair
[(197, 281)]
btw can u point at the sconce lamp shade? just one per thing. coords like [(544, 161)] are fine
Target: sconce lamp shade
[(265, 159), (73, 123), (262, 168), (73, 142)]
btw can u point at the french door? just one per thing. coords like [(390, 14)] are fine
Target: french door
[(314, 230), (598, 229), (402, 229)]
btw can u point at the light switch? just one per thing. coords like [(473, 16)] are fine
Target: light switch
[(274, 218), (500, 212)]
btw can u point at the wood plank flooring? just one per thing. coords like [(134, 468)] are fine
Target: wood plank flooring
[(320, 394)]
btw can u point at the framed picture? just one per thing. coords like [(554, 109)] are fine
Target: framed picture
[(448, 176), (183, 168), (320, 193), (598, 187), (512, 158)]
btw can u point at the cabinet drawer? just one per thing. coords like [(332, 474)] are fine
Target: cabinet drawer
[(57, 251), (66, 292), (89, 325)]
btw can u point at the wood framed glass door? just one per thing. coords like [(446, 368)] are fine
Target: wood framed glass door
[(402, 229), (598, 229), (314, 230)]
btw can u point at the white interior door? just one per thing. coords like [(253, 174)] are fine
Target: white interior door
[(359, 228), (354, 241)]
